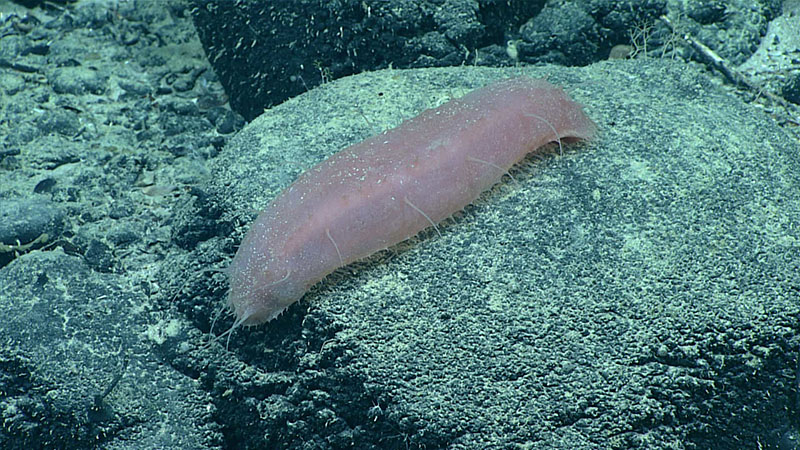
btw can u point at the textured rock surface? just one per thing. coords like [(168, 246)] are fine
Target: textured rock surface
[(635, 293)]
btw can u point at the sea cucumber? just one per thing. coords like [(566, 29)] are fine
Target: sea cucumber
[(389, 187)]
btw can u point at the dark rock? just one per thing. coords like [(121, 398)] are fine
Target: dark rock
[(24, 220)]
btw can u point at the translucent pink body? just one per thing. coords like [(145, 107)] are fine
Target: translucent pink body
[(389, 187)]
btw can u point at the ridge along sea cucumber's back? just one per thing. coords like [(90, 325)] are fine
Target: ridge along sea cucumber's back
[(391, 186)]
